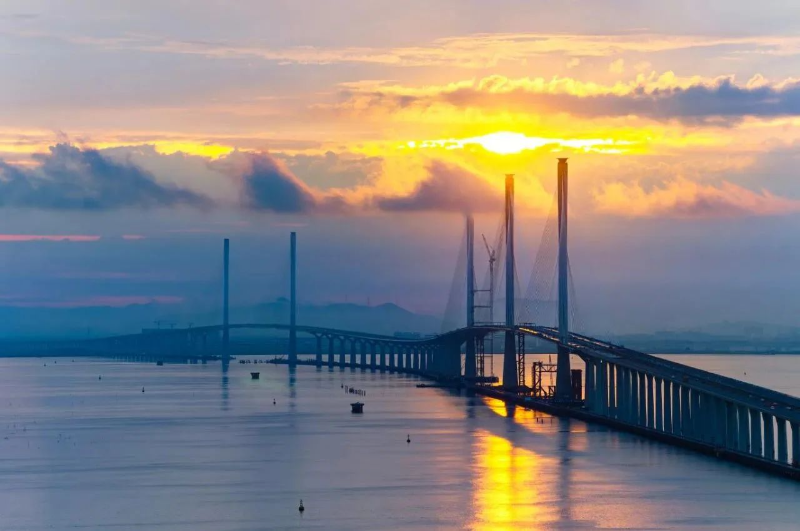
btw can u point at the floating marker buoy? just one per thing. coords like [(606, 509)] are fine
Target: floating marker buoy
[(408, 438), (301, 508), (99, 377), (273, 402), (143, 389)]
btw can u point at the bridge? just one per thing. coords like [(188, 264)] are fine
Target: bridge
[(618, 387)]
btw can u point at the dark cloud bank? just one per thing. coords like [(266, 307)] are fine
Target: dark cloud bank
[(69, 178)]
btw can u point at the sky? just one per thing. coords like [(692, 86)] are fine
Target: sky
[(135, 136)]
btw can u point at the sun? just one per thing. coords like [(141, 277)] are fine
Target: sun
[(509, 143), (506, 143)]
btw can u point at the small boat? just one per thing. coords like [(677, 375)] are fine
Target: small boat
[(159, 363), (357, 407), (255, 375)]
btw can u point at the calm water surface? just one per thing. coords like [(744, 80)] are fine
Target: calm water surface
[(203, 449)]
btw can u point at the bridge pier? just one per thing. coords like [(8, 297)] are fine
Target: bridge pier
[(330, 352), (382, 361), (685, 413), (352, 353), (722, 417), (769, 437), (342, 351), (755, 432), (319, 351), (651, 415), (783, 453), (667, 406), (659, 405), (613, 382), (730, 426), (795, 444), (602, 389), (588, 393), (363, 354), (744, 429), (392, 362), (642, 399), (697, 417), (373, 363)]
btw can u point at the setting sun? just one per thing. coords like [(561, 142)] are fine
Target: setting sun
[(508, 143)]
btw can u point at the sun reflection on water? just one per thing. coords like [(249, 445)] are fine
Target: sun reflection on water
[(507, 493)]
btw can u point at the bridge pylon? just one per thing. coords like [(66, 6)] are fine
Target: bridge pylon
[(293, 299), (563, 377), (510, 345), (226, 251), (469, 358)]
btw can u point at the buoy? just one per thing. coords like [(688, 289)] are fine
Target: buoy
[(408, 438), (99, 377), (273, 401), (143, 389), (301, 508)]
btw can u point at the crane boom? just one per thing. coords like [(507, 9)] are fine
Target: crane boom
[(489, 250)]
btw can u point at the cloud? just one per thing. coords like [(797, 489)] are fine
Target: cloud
[(49, 237), (447, 188), (268, 185), (681, 198), (480, 50), (657, 97), (69, 178)]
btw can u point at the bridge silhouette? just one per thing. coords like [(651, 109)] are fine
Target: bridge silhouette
[(618, 386)]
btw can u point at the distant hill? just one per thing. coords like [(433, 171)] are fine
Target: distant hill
[(47, 323)]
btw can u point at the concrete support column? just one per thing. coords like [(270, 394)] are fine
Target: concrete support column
[(589, 390), (373, 355), (319, 351), (613, 383), (743, 444), (642, 399), (651, 416), (783, 452), (659, 405), (417, 355), (342, 351), (634, 388), (697, 414), (382, 360), (392, 363), (408, 364), (626, 403), (352, 352), (601, 394), (667, 406), (731, 429), (676, 408), (795, 444), (331, 348), (685, 412), (623, 399), (722, 421), (769, 436), (363, 355), (755, 432)]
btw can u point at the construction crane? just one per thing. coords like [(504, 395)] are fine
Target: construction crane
[(490, 306)]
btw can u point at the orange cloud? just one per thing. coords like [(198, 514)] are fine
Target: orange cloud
[(682, 198)]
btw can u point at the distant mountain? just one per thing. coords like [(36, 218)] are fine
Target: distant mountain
[(46, 323)]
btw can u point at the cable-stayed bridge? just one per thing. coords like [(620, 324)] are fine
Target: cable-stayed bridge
[(613, 385)]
